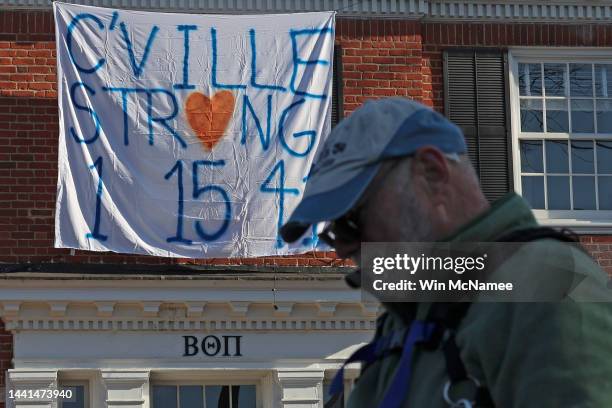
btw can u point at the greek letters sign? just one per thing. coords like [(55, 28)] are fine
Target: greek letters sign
[(187, 135), (212, 346)]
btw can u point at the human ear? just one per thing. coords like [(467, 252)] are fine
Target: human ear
[(430, 165)]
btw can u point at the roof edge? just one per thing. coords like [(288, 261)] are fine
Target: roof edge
[(437, 10)]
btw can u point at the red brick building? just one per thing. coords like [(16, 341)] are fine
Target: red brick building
[(526, 81)]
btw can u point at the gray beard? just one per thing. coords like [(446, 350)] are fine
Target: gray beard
[(414, 223)]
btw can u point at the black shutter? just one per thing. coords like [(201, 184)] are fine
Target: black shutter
[(476, 99), (337, 111)]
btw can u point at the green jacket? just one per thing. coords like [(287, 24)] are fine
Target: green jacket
[(527, 354)]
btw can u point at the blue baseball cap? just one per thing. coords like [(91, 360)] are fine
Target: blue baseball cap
[(352, 154)]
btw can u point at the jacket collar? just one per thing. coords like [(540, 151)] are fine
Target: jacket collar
[(507, 214)]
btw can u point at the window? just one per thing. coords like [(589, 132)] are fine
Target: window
[(204, 396), (562, 135), (78, 397)]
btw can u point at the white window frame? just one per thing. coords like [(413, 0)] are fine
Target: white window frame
[(205, 383), (583, 221), (71, 383)]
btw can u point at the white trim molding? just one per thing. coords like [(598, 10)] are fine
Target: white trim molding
[(139, 324), (301, 388), (129, 388), (26, 380), (89, 303)]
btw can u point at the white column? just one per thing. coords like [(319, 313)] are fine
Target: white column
[(126, 389), (300, 388), (270, 391), (31, 380)]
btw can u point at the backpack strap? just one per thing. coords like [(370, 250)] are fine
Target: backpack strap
[(403, 340), (395, 394), (448, 317), (536, 233)]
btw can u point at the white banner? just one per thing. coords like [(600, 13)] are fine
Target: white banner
[(187, 135)]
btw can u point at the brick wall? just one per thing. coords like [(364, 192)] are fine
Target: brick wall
[(600, 247), (380, 58)]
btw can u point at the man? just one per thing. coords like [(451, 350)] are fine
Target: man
[(396, 171)]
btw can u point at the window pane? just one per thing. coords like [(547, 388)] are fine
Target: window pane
[(556, 156), (604, 116), (531, 156), (583, 192), (604, 157), (558, 192), (217, 396), (531, 115), (605, 193), (603, 77), (164, 396), (77, 399), (583, 157), (556, 115), (191, 396), (554, 79), (533, 190), (581, 79), (582, 116), (530, 80), (243, 396)]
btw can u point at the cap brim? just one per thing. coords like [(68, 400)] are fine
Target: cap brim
[(328, 205), (292, 231)]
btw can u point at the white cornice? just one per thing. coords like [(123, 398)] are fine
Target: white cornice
[(152, 292), (195, 309), (105, 309), (19, 377), (137, 315), (182, 325), (517, 10), (174, 305)]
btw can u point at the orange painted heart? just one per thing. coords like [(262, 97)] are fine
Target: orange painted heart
[(209, 117)]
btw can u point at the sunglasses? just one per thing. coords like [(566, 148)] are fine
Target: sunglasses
[(348, 227)]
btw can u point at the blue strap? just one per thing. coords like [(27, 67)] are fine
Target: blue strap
[(368, 354), (365, 354), (419, 331), (396, 393)]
